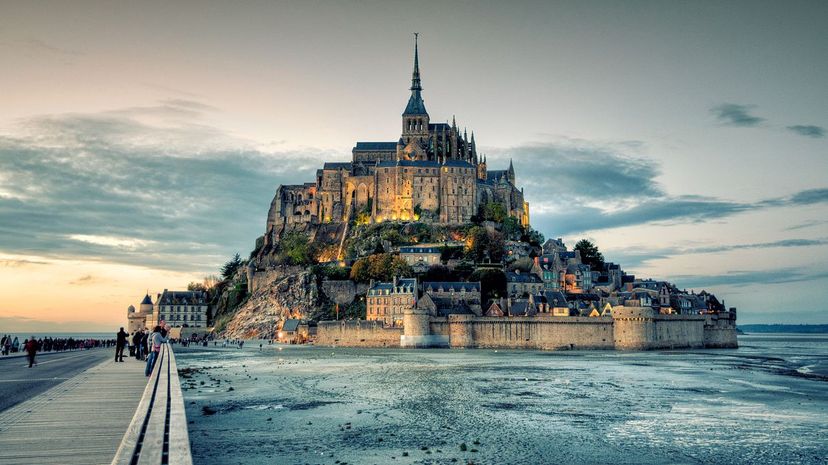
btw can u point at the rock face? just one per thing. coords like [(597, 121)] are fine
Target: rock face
[(278, 294)]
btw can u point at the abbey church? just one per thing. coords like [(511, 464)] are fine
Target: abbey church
[(432, 173)]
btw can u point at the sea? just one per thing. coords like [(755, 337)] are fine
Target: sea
[(22, 336), (763, 403)]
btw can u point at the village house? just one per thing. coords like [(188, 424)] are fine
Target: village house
[(386, 302), (520, 285)]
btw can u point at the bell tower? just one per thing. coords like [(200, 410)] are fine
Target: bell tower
[(414, 140)]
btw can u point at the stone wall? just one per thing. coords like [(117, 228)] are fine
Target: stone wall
[(541, 333), (720, 333), (357, 334), (642, 328), (342, 292), (630, 328)]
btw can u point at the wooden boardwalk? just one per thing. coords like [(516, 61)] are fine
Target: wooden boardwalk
[(80, 421)]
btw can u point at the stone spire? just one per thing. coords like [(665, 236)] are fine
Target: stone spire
[(511, 172), (416, 106)]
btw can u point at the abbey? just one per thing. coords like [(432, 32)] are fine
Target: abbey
[(433, 173)]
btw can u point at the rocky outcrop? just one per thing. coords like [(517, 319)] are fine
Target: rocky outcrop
[(279, 293)]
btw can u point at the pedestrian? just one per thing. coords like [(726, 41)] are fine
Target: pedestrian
[(30, 347), (136, 341), (155, 341), (120, 343)]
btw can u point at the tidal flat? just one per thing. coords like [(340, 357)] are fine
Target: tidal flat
[(766, 402)]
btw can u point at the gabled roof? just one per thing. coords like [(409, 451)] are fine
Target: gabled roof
[(448, 286), (182, 297), (555, 298), (404, 285), (336, 166), (416, 249), (375, 146), (291, 325), (514, 277), (414, 163), (460, 163)]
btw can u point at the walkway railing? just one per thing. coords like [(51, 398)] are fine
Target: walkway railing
[(158, 431)]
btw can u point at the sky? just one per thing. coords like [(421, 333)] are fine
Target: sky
[(141, 143)]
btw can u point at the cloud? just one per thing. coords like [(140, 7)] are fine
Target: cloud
[(85, 280), (105, 186), (577, 187), (807, 130), (746, 278), (17, 263), (733, 114), (633, 258)]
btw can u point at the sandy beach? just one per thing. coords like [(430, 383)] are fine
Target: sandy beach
[(766, 402)]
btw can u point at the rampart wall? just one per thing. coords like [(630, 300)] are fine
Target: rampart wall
[(630, 328), (357, 334)]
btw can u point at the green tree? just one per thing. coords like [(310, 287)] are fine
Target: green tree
[(493, 211), (590, 255), (229, 268), (296, 249), (198, 287), (380, 267), (492, 283), (438, 273), (512, 228)]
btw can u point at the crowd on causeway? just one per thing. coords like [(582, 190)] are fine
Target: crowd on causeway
[(31, 346)]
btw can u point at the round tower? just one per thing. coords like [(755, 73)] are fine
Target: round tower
[(416, 328)]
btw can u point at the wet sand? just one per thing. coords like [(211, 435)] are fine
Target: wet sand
[(766, 402)]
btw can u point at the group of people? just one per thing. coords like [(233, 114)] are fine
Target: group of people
[(143, 344), (31, 346)]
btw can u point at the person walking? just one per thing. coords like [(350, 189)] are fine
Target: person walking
[(155, 341), (136, 341), (30, 347), (120, 343)]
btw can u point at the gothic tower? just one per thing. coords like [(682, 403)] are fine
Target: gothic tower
[(413, 144)]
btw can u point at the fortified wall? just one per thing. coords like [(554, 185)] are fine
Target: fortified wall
[(629, 328)]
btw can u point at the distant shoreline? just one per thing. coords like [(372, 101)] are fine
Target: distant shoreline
[(783, 328)]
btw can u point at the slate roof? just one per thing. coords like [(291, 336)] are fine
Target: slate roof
[(445, 306), (291, 325), (337, 165), (375, 146), (414, 163), (182, 297), (415, 106), (448, 286), (147, 300), (552, 296), (460, 163), (415, 249), (513, 277), (407, 285)]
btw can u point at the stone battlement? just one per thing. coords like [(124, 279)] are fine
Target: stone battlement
[(630, 328)]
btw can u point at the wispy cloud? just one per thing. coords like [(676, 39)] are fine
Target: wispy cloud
[(808, 130), (734, 114), (86, 280), (633, 258), (746, 278), (106, 186), (16, 263), (578, 187)]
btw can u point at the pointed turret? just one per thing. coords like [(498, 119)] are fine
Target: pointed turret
[(511, 172), (415, 106)]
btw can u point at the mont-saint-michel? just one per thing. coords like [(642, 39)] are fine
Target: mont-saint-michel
[(302, 233), (437, 250)]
